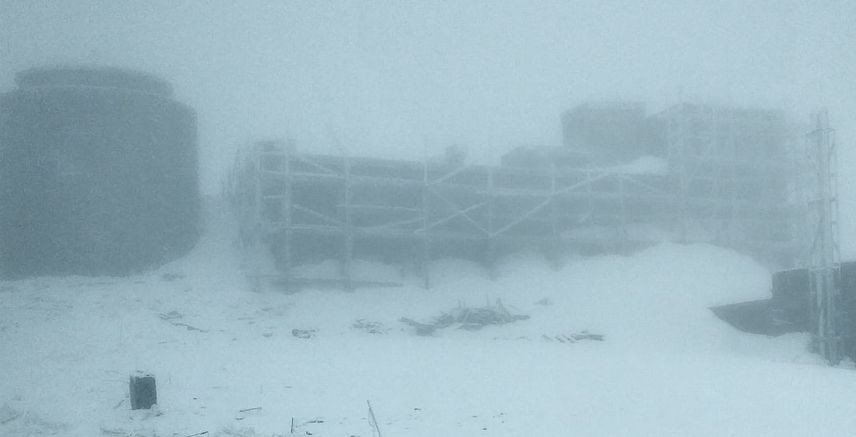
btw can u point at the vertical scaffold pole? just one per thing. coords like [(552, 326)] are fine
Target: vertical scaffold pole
[(589, 198), (258, 217), (347, 259), (491, 238), (426, 243), (286, 216), (824, 268), (554, 220), (623, 204)]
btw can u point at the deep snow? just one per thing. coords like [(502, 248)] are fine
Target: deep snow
[(667, 366)]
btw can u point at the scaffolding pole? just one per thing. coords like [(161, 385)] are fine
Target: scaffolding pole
[(491, 240), (824, 267), (555, 250), (286, 217), (426, 242), (348, 255), (257, 222)]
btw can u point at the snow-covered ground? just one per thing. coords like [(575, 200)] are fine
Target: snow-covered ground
[(667, 366)]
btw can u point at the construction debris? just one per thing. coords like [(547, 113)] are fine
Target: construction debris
[(373, 420), (172, 318), (303, 333), (574, 337), (468, 318), (370, 327)]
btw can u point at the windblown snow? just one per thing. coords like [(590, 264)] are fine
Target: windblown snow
[(227, 362)]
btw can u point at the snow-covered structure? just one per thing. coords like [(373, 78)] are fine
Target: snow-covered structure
[(699, 174), (734, 170), (98, 173)]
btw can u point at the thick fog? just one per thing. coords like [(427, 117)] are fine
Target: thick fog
[(406, 79), (584, 342)]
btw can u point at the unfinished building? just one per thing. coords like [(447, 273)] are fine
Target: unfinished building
[(733, 169), (723, 181)]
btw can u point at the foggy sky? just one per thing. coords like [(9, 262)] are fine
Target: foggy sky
[(406, 78)]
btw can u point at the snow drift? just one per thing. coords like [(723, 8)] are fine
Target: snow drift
[(667, 365)]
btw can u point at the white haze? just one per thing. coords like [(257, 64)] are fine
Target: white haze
[(403, 79)]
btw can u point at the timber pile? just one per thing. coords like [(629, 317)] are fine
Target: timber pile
[(469, 318)]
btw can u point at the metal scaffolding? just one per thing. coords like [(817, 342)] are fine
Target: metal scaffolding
[(733, 168), (307, 208), (824, 264), (341, 207)]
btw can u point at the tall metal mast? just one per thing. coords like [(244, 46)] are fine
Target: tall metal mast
[(824, 263)]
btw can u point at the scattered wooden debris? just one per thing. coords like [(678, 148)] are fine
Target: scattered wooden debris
[(303, 333), (585, 335), (468, 318), (189, 327), (421, 328), (370, 327), (173, 316), (574, 337)]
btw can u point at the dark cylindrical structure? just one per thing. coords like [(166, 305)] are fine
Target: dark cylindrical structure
[(98, 173)]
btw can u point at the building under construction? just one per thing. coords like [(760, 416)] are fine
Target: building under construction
[(624, 179)]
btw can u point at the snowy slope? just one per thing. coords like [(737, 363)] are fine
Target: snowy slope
[(667, 367)]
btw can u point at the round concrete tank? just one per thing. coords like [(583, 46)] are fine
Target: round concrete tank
[(98, 173)]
